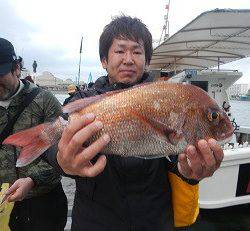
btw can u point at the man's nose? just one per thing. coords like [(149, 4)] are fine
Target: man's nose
[(128, 58)]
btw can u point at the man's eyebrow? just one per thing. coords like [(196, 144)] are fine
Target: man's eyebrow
[(134, 46)]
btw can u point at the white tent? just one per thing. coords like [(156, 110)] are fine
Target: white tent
[(214, 37)]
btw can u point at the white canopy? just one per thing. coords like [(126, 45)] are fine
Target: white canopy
[(214, 37)]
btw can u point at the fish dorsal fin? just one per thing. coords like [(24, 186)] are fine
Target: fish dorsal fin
[(82, 103)]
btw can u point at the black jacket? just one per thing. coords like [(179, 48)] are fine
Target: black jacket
[(130, 194), (67, 100)]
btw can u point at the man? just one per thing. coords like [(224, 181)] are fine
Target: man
[(40, 203), (115, 193), (71, 91), (34, 65)]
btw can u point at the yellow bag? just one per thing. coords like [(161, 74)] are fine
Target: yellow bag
[(184, 201), (5, 209)]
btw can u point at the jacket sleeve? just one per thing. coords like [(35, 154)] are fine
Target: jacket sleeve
[(42, 173), (50, 157), (79, 95), (51, 107), (172, 167)]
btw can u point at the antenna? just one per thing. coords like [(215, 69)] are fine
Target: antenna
[(165, 29)]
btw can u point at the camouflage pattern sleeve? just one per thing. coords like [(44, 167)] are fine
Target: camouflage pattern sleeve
[(51, 107), (42, 174)]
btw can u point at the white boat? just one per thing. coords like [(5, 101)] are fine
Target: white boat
[(214, 38)]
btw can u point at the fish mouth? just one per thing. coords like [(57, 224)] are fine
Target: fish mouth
[(225, 133), (224, 141), (225, 137)]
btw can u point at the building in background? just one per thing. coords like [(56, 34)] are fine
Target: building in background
[(48, 79), (237, 90), (50, 82)]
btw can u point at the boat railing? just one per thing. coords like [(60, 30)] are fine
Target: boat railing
[(244, 129), (242, 134), (220, 70)]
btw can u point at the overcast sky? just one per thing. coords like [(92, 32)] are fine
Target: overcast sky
[(49, 31)]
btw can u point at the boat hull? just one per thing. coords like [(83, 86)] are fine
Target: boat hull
[(230, 184)]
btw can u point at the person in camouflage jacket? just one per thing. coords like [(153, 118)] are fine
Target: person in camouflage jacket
[(40, 203)]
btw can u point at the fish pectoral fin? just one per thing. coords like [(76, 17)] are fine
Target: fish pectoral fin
[(167, 157), (150, 124), (169, 134), (173, 136)]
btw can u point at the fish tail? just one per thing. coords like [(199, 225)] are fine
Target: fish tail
[(33, 141)]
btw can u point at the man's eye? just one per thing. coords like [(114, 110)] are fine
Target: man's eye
[(119, 52), (138, 52)]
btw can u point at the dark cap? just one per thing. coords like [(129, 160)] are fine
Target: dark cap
[(7, 56)]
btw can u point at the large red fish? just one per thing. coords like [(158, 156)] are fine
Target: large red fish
[(148, 121)]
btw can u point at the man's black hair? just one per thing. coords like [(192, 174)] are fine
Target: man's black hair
[(17, 62), (125, 27)]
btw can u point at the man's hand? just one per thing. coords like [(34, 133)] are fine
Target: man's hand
[(75, 159), (19, 190), (203, 161)]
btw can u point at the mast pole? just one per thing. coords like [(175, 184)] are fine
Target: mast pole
[(79, 68), (165, 28)]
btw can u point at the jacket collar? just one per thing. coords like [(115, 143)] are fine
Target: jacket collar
[(102, 84), (27, 87)]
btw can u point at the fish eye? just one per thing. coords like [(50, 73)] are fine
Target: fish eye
[(213, 116)]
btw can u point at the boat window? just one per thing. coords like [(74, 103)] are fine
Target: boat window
[(202, 84)]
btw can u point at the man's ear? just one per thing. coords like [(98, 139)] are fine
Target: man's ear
[(146, 67), (104, 63)]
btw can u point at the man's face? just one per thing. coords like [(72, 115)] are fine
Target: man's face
[(126, 61), (8, 84)]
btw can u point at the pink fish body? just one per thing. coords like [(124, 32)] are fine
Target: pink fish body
[(148, 121)]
